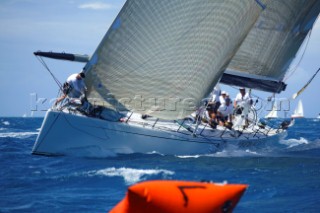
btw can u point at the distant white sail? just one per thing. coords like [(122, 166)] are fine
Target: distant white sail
[(298, 112), (273, 113), (266, 54), (162, 57)]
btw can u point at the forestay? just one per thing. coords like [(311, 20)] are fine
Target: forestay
[(265, 55), (162, 57)]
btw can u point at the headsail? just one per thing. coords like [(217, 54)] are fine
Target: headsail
[(162, 57), (298, 112), (270, 47), (274, 112)]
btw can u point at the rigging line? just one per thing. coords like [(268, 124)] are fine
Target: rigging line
[(314, 75), (302, 56), (141, 134), (180, 138), (299, 62), (47, 68), (305, 86)]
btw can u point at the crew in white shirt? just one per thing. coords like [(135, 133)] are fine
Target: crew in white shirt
[(225, 112), (242, 98), (74, 87), (242, 103), (77, 85), (222, 98)]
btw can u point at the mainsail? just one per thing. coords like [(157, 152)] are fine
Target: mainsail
[(162, 57), (270, 47)]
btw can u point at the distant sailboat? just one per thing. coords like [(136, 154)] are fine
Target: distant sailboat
[(298, 112), (273, 113)]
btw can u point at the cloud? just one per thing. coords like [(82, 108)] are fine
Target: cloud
[(96, 6)]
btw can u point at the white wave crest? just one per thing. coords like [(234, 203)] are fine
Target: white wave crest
[(188, 156), (235, 153), (7, 123), (229, 151), (294, 142), (17, 134), (130, 175), (155, 152)]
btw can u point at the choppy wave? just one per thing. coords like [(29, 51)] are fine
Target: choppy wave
[(305, 145), (276, 148), (7, 123), (236, 153), (130, 175), (155, 153), (17, 134), (294, 142), (228, 151)]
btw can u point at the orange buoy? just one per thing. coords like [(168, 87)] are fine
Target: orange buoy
[(180, 196)]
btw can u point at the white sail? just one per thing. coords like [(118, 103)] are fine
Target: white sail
[(162, 57), (270, 47), (273, 113), (158, 50), (298, 112)]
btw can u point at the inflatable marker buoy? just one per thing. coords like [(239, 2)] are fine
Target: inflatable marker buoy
[(180, 196)]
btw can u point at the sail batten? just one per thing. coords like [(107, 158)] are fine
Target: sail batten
[(162, 57), (272, 44)]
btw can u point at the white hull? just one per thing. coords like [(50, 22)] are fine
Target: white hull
[(271, 117), (63, 133), (297, 116)]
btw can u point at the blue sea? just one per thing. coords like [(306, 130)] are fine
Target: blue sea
[(282, 177)]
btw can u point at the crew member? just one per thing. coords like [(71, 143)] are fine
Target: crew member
[(74, 87)]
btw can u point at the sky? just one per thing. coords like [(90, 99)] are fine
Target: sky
[(77, 26)]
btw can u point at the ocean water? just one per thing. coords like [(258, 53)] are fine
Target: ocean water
[(282, 177)]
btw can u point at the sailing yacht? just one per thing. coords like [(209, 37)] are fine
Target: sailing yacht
[(298, 112), (158, 61), (273, 113)]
